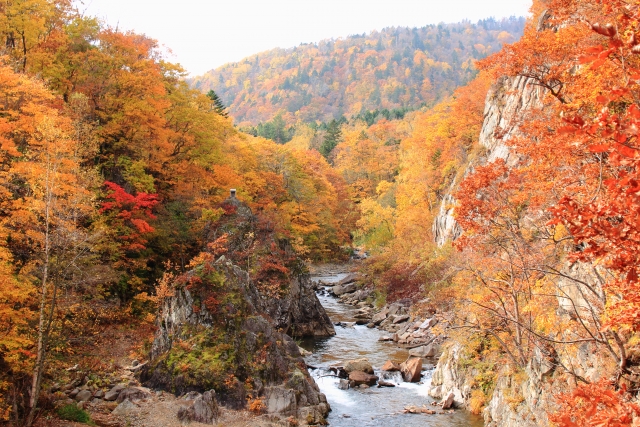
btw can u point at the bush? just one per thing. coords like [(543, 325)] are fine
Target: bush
[(73, 413)]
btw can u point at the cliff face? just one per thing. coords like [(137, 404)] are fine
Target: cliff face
[(520, 397), (294, 308), (237, 352), (507, 104), (221, 330)]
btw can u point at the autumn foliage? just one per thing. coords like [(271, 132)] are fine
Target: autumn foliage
[(112, 168)]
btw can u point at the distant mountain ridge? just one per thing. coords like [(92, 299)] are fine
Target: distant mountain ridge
[(389, 69)]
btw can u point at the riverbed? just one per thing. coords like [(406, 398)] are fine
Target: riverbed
[(373, 406)]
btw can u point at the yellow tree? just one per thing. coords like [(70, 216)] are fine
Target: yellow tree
[(43, 203)]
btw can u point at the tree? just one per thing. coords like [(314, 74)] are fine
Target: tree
[(44, 202), (331, 139), (216, 104)]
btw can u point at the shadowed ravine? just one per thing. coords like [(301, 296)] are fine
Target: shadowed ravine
[(373, 406)]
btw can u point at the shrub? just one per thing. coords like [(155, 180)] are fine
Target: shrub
[(73, 413)]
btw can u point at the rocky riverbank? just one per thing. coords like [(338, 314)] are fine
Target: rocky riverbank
[(408, 330)]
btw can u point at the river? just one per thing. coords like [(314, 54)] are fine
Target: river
[(373, 406)]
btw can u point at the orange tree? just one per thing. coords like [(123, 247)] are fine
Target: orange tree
[(577, 179)]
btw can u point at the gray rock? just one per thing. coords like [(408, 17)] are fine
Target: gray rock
[(99, 394), (429, 323), (204, 409), (343, 384), (344, 289), (84, 396), (400, 319), (350, 278), (112, 394), (124, 408), (133, 394), (436, 392), (74, 392), (430, 350), (380, 317), (280, 400)]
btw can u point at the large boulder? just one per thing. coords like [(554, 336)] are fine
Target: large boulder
[(339, 290), (112, 394), (133, 394), (350, 278), (203, 410), (358, 378), (227, 345), (362, 365), (412, 370), (390, 366)]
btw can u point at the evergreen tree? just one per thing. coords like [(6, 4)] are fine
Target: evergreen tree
[(332, 138), (217, 104)]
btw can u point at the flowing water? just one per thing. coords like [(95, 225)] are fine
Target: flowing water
[(373, 406)]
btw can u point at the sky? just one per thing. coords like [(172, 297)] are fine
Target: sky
[(205, 34)]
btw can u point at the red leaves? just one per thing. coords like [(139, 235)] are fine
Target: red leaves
[(597, 405), (134, 212)]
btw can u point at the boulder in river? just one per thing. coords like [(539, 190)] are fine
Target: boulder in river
[(350, 278), (358, 378), (430, 350), (362, 365), (345, 289), (447, 402), (390, 366), (412, 369)]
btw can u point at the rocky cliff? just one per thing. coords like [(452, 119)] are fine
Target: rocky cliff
[(518, 397), (507, 105), (233, 350), (221, 328), (281, 279)]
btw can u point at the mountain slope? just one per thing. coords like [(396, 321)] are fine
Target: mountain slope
[(392, 68)]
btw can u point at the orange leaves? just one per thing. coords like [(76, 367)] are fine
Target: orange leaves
[(596, 405)]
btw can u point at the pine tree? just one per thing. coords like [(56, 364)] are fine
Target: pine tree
[(217, 104), (332, 138)]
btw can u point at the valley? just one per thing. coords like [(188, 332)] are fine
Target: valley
[(414, 226)]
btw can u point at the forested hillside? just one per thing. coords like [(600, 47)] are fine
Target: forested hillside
[(510, 212), (113, 174), (391, 69)]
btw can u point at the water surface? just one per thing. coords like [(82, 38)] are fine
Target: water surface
[(373, 406)]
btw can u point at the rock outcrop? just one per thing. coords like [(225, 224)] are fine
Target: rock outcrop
[(295, 309), (222, 332), (508, 103), (237, 352)]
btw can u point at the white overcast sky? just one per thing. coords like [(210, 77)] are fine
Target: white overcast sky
[(204, 34)]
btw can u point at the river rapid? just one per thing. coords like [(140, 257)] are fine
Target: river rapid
[(373, 406)]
